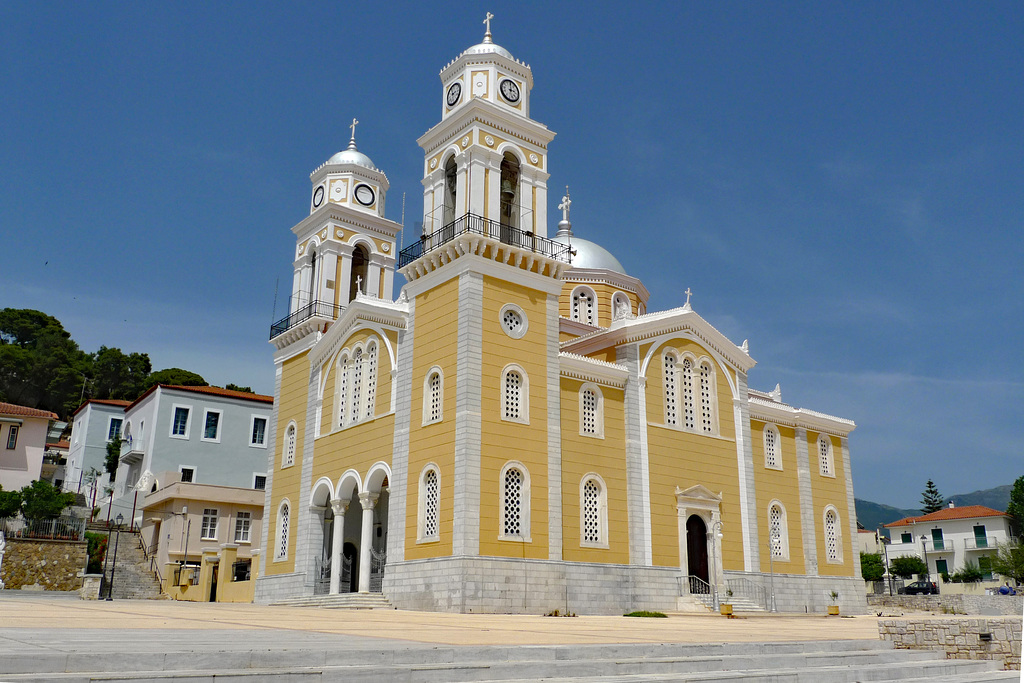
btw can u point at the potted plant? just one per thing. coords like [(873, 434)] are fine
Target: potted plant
[(725, 607), (833, 609)]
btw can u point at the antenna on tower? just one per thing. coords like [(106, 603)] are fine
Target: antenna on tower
[(273, 316), (401, 235)]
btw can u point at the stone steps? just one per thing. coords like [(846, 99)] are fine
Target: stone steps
[(812, 662), (340, 601), (133, 578)]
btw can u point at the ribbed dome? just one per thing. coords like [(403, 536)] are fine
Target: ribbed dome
[(589, 254)]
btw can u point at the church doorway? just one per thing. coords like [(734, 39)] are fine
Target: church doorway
[(349, 569), (697, 553)]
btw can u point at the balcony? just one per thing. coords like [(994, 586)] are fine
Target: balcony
[(473, 224), (131, 454), (943, 546), (981, 543), (317, 309)]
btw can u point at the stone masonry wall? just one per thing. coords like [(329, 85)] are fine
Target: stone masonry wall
[(50, 565), (991, 605), (959, 638)]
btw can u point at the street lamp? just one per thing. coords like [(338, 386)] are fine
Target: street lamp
[(772, 541), (885, 549), (924, 549), (716, 535), (113, 566)]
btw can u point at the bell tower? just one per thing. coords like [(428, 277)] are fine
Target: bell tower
[(486, 157)]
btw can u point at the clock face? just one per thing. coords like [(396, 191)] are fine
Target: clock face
[(509, 90), (364, 195), (454, 93), (318, 196)]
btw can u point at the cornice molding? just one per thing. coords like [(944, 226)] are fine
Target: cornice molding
[(485, 113), (786, 415), (363, 308), (350, 217), (474, 245), (608, 277), (586, 369)]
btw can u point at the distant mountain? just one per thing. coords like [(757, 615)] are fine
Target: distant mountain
[(873, 515)]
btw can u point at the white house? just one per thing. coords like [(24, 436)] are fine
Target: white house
[(93, 424), (23, 437), (946, 539)]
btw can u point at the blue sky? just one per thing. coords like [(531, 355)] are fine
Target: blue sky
[(841, 184)]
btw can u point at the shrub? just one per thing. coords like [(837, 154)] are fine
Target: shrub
[(871, 567), (97, 549), (41, 500), (10, 503), (971, 573), (906, 566), (645, 613)]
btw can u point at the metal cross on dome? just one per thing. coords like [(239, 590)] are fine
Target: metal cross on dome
[(353, 127), (487, 21), (566, 203)]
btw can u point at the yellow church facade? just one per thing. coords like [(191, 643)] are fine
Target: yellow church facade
[(515, 431)]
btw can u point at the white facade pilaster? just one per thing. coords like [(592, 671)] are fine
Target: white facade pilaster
[(638, 489), (745, 471), (367, 500), (851, 510), (554, 417), (807, 521), (398, 499), (468, 393)]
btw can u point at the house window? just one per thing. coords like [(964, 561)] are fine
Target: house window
[(825, 456), (980, 537), (429, 504), (211, 426), (669, 365), (259, 482), (179, 426), (515, 395), (258, 435), (906, 538), (778, 531), (591, 411), (288, 458), (188, 474), (515, 503), (243, 521), (114, 429), (593, 512), (281, 547), (583, 308), (12, 437), (209, 524), (939, 544), (833, 536), (433, 396), (772, 457)]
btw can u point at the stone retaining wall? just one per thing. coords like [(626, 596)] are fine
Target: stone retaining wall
[(959, 638), (989, 605), (46, 565)]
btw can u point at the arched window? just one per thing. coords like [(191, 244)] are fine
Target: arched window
[(428, 526), (833, 536), (621, 306), (669, 366), (515, 397), (515, 503), (825, 456), (433, 396), (708, 422), (778, 531), (357, 280), (341, 384), (288, 457), (593, 512), (371, 377), (683, 374), (772, 448), (281, 547), (591, 411), (312, 276), (357, 386), (451, 183), (509, 206), (688, 411), (584, 308)]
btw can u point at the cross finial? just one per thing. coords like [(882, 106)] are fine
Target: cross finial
[(688, 294), (487, 22), (566, 203), (359, 283), (353, 127)]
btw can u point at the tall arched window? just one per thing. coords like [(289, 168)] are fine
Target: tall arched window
[(515, 394), (584, 308), (833, 536), (707, 399), (428, 527), (515, 503), (344, 369), (509, 206), (669, 369), (591, 411), (772, 448), (593, 512), (356, 384), (684, 377), (451, 181), (357, 281), (312, 276), (433, 396), (371, 377), (825, 456), (281, 547), (688, 410), (778, 531), (288, 457)]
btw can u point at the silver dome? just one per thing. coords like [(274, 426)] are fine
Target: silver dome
[(486, 47), (352, 156), (590, 254)]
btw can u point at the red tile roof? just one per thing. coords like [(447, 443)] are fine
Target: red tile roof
[(102, 402), (213, 391), (964, 512), (24, 411)]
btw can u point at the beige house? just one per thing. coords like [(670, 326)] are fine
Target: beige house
[(212, 532), (23, 436)]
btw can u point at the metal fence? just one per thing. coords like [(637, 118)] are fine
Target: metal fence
[(63, 528)]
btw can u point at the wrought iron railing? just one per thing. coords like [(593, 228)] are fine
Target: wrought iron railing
[(322, 309), (378, 560), (746, 588), (63, 528), (478, 225), (697, 585)]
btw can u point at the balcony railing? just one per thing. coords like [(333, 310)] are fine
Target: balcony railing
[(981, 543), (478, 225), (64, 528), (321, 309)]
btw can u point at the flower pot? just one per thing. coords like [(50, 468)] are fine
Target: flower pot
[(833, 610), (725, 610)]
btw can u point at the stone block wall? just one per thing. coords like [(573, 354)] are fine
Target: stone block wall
[(990, 605), (50, 565), (959, 638)]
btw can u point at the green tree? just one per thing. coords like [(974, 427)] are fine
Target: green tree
[(235, 387), (10, 503), (906, 566), (42, 500), (119, 376), (1016, 507), (970, 573), (931, 499), (871, 567), (176, 376), (1009, 560), (113, 457)]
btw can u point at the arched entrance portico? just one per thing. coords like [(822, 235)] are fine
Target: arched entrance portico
[(700, 556)]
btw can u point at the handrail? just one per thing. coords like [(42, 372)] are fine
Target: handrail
[(748, 589), (697, 585), (473, 223), (323, 309), (150, 554)]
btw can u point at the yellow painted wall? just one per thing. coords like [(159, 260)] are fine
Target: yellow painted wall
[(435, 344), (584, 454), (831, 491), (382, 396), (286, 481), (782, 486), (681, 458), (604, 294), (502, 441)]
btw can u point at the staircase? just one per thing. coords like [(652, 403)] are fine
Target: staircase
[(340, 601), (739, 603), (133, 579)]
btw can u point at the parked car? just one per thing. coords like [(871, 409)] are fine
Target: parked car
[(920, 588)]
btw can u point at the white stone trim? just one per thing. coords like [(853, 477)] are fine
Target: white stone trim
[(598, 431), (522, 406), (220, 425), (638, 487), (602, 511), (773, 431), (783, 530), (809, 535), (421, 514), (428, 397), (282, 528), (188, 421), (576, 312), (554, 425), (524, 507), (851, 510), (520, 331), (401, 397), (468, 394), (838, 559), (593, 370)]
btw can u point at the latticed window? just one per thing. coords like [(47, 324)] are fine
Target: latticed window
[(289, 446), (512, 321), (513, 512), (431, 503), (344, 367), (776, 531), (371, 377), (832, 536), (825, 453), (583, 307), (357, 384), (591, 512), (513, 395), (435, 397), (688, 409), (706, 399), (671, 417), (589, 417), (771, 448), (282, 532)]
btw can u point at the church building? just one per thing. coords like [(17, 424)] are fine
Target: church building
[(515, 430)]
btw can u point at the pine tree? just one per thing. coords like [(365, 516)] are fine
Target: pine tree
[(931, 499), (1016, 507)]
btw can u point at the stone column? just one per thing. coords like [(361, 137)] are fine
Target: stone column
[(368, 500), (803, 478), (337, 539)]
